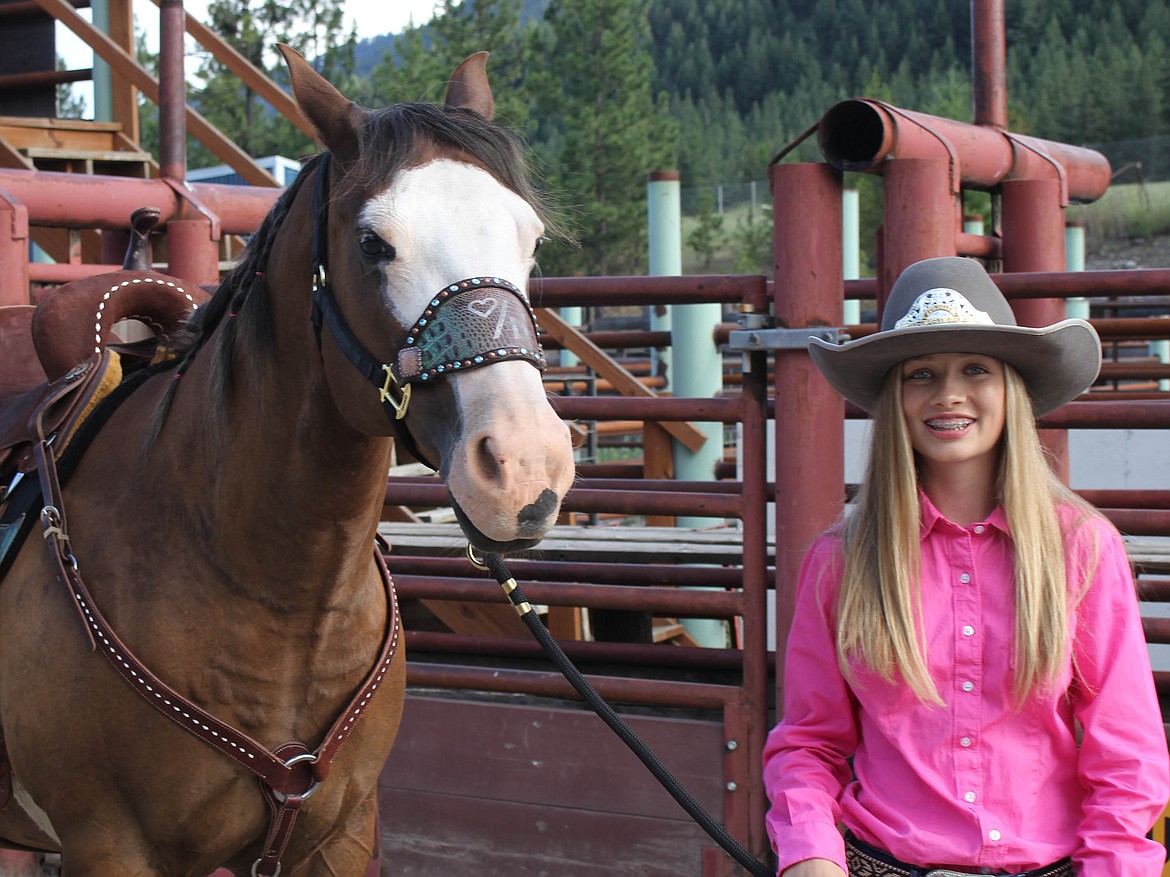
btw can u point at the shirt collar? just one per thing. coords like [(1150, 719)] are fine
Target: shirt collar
[(931, 517)]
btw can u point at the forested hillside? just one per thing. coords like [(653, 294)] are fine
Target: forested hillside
[(746, 77), (607, 90)]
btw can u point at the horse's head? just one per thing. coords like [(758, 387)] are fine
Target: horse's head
[(422, 279)]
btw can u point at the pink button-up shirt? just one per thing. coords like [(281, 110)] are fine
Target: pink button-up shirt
[(976, 783)]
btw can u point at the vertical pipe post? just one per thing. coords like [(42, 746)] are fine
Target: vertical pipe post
[(664, 215), (851, 250), (989, 56), (1033, 240), (14, 252), (699, 371), (1074, 260), (755, 564), (810, 445), (172, 89), (920, 216), (103, 92), (192, 254)]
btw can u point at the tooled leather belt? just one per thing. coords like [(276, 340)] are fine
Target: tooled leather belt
[(869, 861)]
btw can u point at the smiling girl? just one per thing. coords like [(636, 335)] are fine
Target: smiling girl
[(967, 686)]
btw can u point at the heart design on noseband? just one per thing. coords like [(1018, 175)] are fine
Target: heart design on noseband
[(483, 307)]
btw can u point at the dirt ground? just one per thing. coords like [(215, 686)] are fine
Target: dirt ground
[(1129, 254)]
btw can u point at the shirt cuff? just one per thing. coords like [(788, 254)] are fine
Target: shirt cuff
[(814, 840)]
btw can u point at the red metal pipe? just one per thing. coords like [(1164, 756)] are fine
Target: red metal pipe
[(62, 200), (642, 574), (989, 57), (193, 255), (646, 408), (1154, 590), (172, 93), (753, 624), (66, 272), (626, 502), (639, 654), (14, 243), (1140, 522), (860, 135), (1127, 499), (809, 436), (921, 215), (550, 292), (1103, 415), (671, 602), (1157, 630)]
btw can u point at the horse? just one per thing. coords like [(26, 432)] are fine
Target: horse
[(200, 663)]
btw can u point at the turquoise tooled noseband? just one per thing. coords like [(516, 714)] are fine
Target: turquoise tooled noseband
[(472, 323)]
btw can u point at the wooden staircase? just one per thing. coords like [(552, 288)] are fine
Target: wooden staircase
[(73, 146)]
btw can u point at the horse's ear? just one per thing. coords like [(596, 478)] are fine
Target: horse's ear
[(332, 115), (469, 87)]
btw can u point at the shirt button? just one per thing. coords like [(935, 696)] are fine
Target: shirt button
[(979, 528), (994, 834), (969, 797), (968, 686), (965, 742), (965, 578), (968, 630)]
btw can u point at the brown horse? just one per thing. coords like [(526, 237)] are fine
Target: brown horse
[(223, 518)]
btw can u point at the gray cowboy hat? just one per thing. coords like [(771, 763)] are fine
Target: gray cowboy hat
[(951, 305)]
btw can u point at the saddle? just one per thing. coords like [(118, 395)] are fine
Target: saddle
[(64, 356)]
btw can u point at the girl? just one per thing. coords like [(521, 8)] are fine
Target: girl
[(967, 688)]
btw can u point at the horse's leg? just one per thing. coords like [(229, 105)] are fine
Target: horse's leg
[(347, 853)]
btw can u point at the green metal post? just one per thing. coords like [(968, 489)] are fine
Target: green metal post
[(851, 252), (1074, 260)]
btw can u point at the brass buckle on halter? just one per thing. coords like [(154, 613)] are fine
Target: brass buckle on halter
[(387, 396)]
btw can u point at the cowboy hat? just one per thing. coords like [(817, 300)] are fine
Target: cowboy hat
[(951, 305)]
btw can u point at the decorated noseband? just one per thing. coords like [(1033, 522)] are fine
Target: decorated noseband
[(472, 323)]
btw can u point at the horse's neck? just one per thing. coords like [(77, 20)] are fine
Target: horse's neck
[(289, 480)]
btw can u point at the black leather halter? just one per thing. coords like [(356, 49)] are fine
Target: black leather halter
[(468, 324)]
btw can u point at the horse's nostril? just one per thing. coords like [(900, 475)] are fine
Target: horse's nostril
[(486, 460), (532, 517)]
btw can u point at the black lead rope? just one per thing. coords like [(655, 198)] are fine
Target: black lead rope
[(495, 565)]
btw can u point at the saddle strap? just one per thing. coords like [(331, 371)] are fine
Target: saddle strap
[(287, 780)]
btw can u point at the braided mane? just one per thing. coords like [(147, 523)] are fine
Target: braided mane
[(389, 140)]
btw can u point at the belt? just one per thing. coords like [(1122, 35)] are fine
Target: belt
[(868, 861)]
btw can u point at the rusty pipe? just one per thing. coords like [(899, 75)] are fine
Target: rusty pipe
[(172, 88), (61, 200), (989, 63), (861, 134)]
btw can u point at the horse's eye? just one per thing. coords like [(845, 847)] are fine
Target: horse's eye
[(374, 247), (539, 241)]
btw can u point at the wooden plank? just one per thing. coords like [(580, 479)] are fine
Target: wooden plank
[(483, 787), (606, 544), (425, 834), (516, 752), (624, 382)]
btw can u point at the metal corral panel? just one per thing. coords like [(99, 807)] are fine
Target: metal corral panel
[(522, 790)]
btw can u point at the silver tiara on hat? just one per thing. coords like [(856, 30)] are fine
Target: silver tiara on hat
[(942, 305)]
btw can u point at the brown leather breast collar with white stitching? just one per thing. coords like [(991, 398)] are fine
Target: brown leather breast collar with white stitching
[(291, 773)]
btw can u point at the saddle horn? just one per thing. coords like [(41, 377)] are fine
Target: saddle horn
[(138, 255)]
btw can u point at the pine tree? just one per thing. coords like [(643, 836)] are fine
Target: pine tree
[(594, 86), (313, 27), (425, 56)]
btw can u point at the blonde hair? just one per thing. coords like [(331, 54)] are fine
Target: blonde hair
[(879, 605)]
